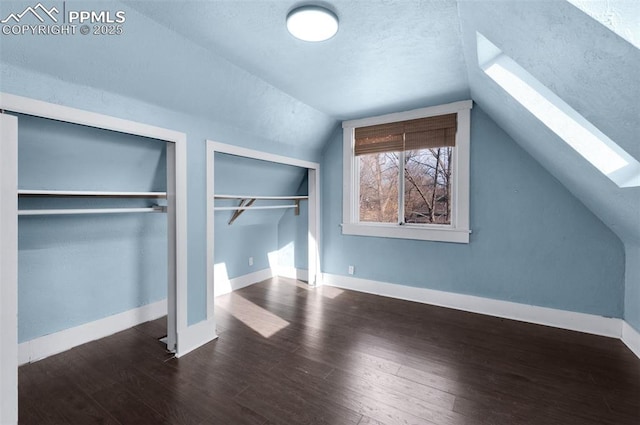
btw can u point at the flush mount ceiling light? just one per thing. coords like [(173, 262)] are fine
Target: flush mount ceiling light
[(312, 23)]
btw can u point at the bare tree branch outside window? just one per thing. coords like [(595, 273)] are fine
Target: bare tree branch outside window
[(427, 186)]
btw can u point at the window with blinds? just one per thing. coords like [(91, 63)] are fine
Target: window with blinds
[(422, 133), (405, 170), (406, 174)]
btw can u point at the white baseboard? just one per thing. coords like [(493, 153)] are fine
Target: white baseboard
[(631, 338), (204, 332), (192, 338), (293, 273), (587, 323), (224, 285), (196, 336), (57, 342)]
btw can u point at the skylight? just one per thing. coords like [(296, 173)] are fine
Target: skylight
[(594, 146)]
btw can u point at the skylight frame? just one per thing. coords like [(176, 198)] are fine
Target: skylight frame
[(575, 130)]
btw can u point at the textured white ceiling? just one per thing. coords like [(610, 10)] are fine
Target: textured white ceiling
[(388, 55)]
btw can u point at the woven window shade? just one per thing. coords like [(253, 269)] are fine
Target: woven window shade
[(422, 133)]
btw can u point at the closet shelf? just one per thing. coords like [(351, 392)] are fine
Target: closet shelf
[(70, 211), (265, 207), (88, 193), (273, 198), (246, 203)]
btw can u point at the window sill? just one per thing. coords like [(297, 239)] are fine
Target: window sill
[(407, 232)]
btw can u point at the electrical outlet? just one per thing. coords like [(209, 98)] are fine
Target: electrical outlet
[(351, 270), (251, 261)]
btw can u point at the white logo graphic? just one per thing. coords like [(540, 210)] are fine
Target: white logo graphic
[(34, 11)]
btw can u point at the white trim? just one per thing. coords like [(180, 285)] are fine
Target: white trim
[(29, 192), (283, 198), (48, 345), (462, 174), (263, 207), (8, 269), (314, 277), (38, 108), (196, 336), (293, 273), (407, 232), (264, 156), (631, 338), (173, 249), (350, 170), (314, 209), (177, 208), (210, 231), (429, 111), (581, 322), (458, 231), (84, 211), (229, 285)]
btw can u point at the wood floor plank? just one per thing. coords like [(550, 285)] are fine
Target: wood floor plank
[(127, 408), (293, 355)]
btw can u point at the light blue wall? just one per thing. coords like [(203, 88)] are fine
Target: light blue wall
[(293, 231), (595, 74), (235, 244), (75, 269), (632, 286), (151, 74), (39, 86), (533, 242)]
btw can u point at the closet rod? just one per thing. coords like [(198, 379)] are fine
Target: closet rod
[(266, 207), (69, 211), (283, 198), (30, 192)]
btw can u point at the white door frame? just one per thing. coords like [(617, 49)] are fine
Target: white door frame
[(8, 270), (177, 229), (314, 205)]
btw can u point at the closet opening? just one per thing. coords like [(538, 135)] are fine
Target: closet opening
[(93, 226), (262, 219)]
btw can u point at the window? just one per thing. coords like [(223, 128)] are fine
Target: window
[(407, 175)]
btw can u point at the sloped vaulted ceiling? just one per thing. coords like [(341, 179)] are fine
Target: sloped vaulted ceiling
[(235, 62), (590, 67), (397, 55)]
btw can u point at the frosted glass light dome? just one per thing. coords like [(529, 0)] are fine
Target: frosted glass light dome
[(312, 23)]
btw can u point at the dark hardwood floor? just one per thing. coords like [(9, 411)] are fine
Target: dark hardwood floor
[(291, 355)]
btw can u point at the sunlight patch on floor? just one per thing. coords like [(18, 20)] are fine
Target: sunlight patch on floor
[(330, 291), (255, 317)]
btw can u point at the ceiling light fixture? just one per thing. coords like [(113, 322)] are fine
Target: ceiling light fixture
[(312, 23)]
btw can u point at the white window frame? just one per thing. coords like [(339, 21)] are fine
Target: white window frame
[(458, 231)]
